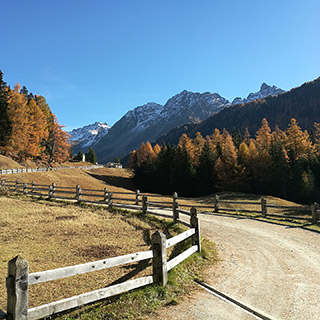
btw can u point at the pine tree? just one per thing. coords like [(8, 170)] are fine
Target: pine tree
[(297, 141), (205, 171), (156, 149), (91, 156), (60, 148), (227, 169), (186, 142), (79, 156), (17, 113), (37, 130), (243, 154), (263, 137), (279, 169), (236, 137), (246, 137), (5, 123), (197, 145)]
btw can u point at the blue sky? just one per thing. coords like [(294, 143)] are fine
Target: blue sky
[(95, 60)]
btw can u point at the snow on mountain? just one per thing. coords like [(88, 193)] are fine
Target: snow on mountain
[(265, 91), (85, 136), (152, 120), (183, 107)]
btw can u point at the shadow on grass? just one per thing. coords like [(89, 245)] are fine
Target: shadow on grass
[(120, 182)]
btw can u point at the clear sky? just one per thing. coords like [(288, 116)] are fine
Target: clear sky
[(95, 60)]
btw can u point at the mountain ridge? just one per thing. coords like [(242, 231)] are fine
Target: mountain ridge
[(152, 120), (301, 103)]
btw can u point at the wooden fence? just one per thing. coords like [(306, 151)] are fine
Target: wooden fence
[(308, 213), (19, 279), (23, 170), (138, 201)]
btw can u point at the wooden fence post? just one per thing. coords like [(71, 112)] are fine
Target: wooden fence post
[(33, 184), (25, 190), (17, 289), (78, 193), (53, 192), (159, 261), (175, 206), (110, 201), (105, 194), (17, 185), (216, 204), (3, 184), (144, 204), (195, 223), (137, 197), (314, 212), (263, 207), (50, 192)]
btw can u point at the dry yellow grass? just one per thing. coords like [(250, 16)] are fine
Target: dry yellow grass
[(53, 235), (8, 163)]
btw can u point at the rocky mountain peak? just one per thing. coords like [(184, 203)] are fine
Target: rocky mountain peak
[(85, 136), (265, 91)]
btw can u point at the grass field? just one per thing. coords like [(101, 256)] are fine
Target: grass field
[(50, 234)]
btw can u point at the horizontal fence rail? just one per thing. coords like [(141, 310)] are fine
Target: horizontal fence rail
[(148, 201), (19, 279)]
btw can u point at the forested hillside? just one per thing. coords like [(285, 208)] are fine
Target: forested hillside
[(28, 128), (282, 163), (302, 103)]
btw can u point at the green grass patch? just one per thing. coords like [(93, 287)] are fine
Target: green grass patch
[(142, 303)]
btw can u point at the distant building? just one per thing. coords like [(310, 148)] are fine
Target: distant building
[(113, 165)]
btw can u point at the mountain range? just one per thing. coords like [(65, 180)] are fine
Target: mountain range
[(152, 120), (301, 103), (84, 137)]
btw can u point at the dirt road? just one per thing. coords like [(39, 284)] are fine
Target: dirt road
[(271, 268)]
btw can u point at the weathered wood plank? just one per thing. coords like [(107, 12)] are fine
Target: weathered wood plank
[(64, 191), (76, 301), (184, 211), (158, 205), (182, 256), (161, 202), (125, 199), (17, 289), (127, 206), (209, 206), (159, 262), (180, 237), (70, 271)]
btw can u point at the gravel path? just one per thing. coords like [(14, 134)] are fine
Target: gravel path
[(271, 268)]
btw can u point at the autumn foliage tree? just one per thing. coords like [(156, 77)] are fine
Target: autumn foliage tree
[(28, 128), (282, 163)]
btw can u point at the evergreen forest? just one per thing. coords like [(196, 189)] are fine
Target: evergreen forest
[(280, 163)]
